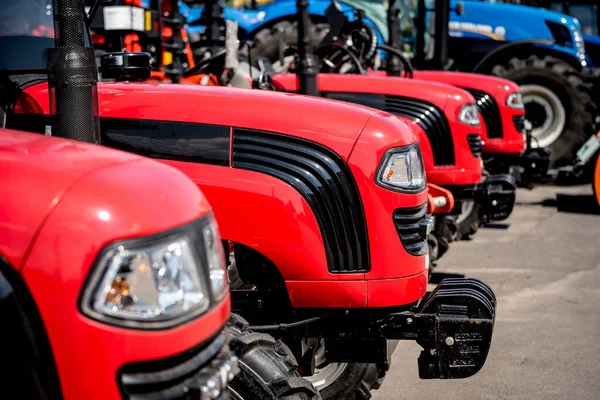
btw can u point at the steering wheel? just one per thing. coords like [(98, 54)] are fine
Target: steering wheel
[(408, 68), (340, 60), (213, 65), (356, 46)]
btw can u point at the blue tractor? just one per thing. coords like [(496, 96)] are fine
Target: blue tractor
[(541, 50), (587, 13)]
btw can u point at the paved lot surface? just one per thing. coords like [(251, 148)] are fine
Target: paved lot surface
[(544, 265)]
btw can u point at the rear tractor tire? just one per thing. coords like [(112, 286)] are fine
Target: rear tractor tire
[(268, 369), (558, 103)]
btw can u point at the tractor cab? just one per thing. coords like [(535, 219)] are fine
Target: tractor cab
[(26, 32)]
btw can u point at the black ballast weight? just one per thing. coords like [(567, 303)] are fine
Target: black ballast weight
[(497, 197), (453, 324)]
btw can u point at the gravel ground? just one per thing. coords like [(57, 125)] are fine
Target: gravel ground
[(544, 266)]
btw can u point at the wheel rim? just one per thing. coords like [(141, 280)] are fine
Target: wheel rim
[(465, 210), (325, 373), (546, 113)]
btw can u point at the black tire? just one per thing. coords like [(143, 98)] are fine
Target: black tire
[(268, 369), (591, 76), (443, 233), (469, 223), (267, 40), (432, 241), (355, 383), (567, 84)]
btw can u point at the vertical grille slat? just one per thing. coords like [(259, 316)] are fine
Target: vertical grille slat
[(428, 116), (489, 110), (410, 225), (519, 122), (475, 144), (323, 179)]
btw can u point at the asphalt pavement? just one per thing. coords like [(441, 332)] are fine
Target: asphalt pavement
[(544, 266)]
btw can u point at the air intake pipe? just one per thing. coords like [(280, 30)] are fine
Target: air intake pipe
[(307, 64), (72, 75)]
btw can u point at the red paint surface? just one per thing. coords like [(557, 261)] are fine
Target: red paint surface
[(66, 201)]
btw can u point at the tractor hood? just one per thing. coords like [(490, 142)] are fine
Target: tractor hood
[(497, 87), (333, 124), (436, 93), (40, 170)]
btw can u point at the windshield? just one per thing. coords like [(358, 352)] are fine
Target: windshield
[(26, 30), (586, 13)]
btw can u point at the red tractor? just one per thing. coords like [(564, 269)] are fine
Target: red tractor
[(451, 148), (333, 204), (111, 286)]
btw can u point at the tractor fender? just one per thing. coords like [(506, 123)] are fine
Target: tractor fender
[(273, 220), (33, 373), (537, 47)]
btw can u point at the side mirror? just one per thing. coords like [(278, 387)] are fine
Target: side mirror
[(122, 67), (460, 8)]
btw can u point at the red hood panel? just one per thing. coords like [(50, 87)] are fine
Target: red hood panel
[(333, 124), (436, 93), (39, 169), (489, 84)]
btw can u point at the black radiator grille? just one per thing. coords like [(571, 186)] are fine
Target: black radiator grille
[(489, 110), (428, 116), (323, 179), (183, 376), (411, 227), (475, 144), (519, 121)]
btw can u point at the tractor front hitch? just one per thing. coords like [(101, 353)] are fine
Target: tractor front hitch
[(453, 324), (497, 196), (528, 168)]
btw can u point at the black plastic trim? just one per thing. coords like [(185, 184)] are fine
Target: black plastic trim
[(168, 140), (519, 122), (191, 230), (475, 144), (408, 223), (173, 377), (488, 107), (323, 179), (165, 140), (427, 115)]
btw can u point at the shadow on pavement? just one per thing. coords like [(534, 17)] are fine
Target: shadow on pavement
[(573, 203), (496, 225), (437, 277)]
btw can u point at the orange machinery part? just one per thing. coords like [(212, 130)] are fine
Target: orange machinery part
[(596, 181), (440, 200)]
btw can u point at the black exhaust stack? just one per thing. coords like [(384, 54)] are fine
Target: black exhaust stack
[(307, 64), (72, 75), (393, 63)]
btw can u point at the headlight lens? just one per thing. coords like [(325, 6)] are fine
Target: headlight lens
[(216, 260), (402, 169), (160, 282), (515, 100), (469, 114)]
